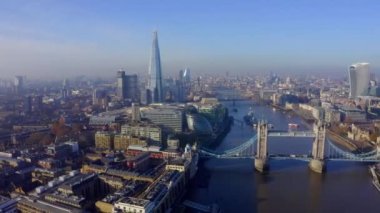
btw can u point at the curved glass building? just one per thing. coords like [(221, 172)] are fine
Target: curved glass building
[(198, 124), (359, 79)]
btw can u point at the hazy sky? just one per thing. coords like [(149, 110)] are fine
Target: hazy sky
[(64, 38)]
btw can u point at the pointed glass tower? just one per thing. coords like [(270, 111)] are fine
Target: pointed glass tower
[(155, 73)]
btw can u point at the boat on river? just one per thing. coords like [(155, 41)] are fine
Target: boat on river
[(250, 119)]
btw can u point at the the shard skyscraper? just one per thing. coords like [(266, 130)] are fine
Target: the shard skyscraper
[(155, 93)]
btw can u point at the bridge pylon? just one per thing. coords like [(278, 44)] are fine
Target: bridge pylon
[(261, 157), (317, 163)]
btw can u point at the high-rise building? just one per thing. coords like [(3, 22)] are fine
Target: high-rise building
[(136, 112), (183, 85), (186, 75), (38, 103), (65, 92), (127, 86), (121, 87), (132, 88), (19, 85), (155, 73), (359, 79), (28, 104), (181, 89)]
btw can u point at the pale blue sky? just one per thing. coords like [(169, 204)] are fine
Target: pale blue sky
[(97, 37)]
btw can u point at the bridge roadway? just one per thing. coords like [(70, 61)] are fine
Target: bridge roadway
[(317, 157), (304, 134), (300, 157)]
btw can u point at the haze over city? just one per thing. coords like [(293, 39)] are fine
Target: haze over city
[(215, 106), (56, 39)]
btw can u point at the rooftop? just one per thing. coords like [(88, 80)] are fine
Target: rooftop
[(3, 199), (134, 201)]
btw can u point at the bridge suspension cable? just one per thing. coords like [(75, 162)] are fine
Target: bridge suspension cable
[(333, 152)]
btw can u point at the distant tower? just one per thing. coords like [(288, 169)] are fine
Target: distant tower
[(28, 104), (155, 72), (359, 79), (19, 85), (187, 82), (120, 90), (65, 83), (38, 103), (180, 85), (65, 92)]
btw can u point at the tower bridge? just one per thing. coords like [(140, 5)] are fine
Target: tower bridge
[(323, 150)]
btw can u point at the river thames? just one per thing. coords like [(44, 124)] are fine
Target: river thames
[(289, 186)]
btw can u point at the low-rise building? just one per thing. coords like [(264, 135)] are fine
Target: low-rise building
[(316, 112), (352, 114), (360, 132), (131, 204), (332, 116), (139, 162), (29, 205), (59, 150), (104, 140), (50, 163), (123, 141), (143, 130)]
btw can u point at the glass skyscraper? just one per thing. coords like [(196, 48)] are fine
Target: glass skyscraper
[(127, 86), (359, 79), (155, 73)]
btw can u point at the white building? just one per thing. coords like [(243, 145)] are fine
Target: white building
[(130, 204), (359, 79)]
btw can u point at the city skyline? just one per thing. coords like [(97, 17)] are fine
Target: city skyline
[(237, 106), (61, 39)]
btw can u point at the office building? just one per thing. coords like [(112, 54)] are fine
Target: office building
[(184, 85), (171, 119), (155, 73), (127, 86), (131, 87), (359, 79), (37, 103), (121, 85), (28, 104), (143, 130)]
